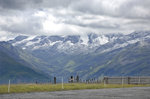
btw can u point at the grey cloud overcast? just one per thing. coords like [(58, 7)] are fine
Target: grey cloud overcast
[(61, 17)]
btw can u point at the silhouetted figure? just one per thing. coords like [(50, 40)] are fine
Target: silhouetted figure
[(71, 79)]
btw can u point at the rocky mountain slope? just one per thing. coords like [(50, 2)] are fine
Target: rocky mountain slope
[(90, 56)]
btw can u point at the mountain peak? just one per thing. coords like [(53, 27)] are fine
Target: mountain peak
[(76, 43)]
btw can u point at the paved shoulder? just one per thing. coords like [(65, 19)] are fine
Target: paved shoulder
[(118, 93)]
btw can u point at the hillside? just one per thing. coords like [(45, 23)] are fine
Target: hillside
[(132, 60), (17, 72)]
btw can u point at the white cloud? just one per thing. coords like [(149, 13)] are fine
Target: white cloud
[(63, 17), (5, 36)]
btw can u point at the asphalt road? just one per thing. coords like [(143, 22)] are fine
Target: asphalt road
[(118, 93)]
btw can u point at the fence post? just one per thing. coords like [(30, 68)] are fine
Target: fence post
[(9, 86), (77, 78), (62, 83), (105, 81), (122, 81), (139, 80), (128, 80), (54, 80)]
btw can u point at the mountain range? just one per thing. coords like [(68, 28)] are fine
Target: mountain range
[(89, 56)]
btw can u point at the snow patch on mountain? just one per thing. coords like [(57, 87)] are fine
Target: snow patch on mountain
[(24, 40), (84, 40), (117, 46), (101, 40), (32, 42), (75, 44)]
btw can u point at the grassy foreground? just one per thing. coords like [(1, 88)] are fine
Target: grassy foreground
[(20, 88)]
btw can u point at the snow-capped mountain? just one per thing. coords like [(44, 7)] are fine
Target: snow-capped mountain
[(88, 56), (75, 44)]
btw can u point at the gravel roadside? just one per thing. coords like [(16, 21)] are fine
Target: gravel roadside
[(114, 93)]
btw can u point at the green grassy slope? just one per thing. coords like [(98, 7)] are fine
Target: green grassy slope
[(129, 61), (14, 69), (22, 88), (10, 69)]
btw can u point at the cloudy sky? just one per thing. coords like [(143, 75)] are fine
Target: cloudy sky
[(61, 17)]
